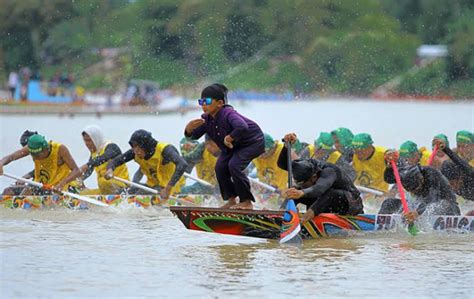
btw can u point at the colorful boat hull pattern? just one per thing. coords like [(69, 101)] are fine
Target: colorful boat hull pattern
[(54, 201), (266, 224)]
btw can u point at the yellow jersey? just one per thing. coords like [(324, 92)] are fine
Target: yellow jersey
[(156, 173), (370, 172), (425, 156), (268, 171), (109, 186), (47, 170), (205, 169), (332, 158)]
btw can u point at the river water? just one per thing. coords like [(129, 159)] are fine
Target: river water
[(136, 253)]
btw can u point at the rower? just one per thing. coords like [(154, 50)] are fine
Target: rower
[(102, 151), (465, 146), (343, 143), (323, 150), (54, 165), (160, 162), (321, 186), (239, 139), (266, 165), (17, 189), (411, 155), (204, 157), (440, 156), (458, 172), (369, 163), (430, 190)]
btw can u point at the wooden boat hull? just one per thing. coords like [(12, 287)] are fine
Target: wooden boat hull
[(266, 224)]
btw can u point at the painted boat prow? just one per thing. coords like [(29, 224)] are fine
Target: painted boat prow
[(266, 223)]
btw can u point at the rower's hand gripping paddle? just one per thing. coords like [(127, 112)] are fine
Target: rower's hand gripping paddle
[(290, 227)]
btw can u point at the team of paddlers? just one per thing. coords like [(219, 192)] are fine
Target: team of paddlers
[(325, 173)]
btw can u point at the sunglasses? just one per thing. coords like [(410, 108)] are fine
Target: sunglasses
[(206, 101)]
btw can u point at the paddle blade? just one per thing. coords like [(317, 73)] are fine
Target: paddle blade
[(86, 199), (412, 229), (290, 226)]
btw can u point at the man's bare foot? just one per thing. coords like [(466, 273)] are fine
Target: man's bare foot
[(229, 204), (245, 205)]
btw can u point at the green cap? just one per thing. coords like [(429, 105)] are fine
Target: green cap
[(297, 146), (37, 143), (324, 141), (464, 136), (408, 148), (361, 141), (344, 135), (269, 141), (442, 137)]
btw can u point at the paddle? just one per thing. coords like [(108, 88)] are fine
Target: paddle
[(148, 189), (262, 184), (411, 227), (433, 154), (202, 182), (48, 187), (290, 226), (369, 190)]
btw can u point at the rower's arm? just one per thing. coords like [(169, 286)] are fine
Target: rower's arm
[(325, 181), (121, 159), (137, 177), (13, 157), (29, 175), (111, 151), (170, 154), (283, 159), (466, 168), (196, 133), (240, 127), (65, 155)]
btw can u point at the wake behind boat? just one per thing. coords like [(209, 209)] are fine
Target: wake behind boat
[(266, 224)]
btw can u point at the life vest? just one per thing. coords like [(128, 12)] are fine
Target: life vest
[(156, 173), (47, 170), (205, 169), (268, 171), (332, 157), (109, 186), (370, 173), (425, 156)]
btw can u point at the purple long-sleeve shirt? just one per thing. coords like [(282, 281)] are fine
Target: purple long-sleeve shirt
[(228, 121)]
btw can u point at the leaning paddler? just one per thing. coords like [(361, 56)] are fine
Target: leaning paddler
[(369, 163), (321, 186), (54, 165), (17, 189), (266, 164), (343, 143), (160, 162), (102, 151), (430, 191), (458, 172), (239, 139), (323, 150)]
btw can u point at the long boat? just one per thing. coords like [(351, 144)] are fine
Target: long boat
[(55, 201), (266, 223)]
